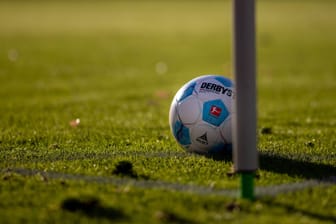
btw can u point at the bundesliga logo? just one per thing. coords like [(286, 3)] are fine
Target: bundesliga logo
[(215, 111)]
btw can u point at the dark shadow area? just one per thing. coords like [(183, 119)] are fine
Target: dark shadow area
[(293, 209), (284, 165), (125, 169), (166, 216), (295, 167), (91, 207)]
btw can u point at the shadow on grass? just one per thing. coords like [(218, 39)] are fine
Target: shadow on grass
[(293, 209), (92, 208), (290, 166), (170, 217), (124, 168)]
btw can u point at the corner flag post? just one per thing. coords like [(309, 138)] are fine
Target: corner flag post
[(245, 156)]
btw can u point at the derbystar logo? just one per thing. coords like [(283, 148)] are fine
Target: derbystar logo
[(215, 111), (212, 87), (203, 139)]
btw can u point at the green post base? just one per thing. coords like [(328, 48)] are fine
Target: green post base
[(247, 186)]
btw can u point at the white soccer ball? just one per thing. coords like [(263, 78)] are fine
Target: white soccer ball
[(200, 114)]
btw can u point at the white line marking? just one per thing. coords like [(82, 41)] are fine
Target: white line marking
[(157, 184)]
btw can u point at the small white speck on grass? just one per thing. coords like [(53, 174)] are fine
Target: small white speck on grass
[(161, 68), (13, 55), (74, 123)]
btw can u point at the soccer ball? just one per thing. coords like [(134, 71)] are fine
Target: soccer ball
[(200, 114)]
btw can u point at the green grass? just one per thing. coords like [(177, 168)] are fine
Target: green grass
[(97, 61)]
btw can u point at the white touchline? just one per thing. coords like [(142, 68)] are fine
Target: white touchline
[(272, 190)]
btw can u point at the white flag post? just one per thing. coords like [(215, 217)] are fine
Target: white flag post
[(245, 156)]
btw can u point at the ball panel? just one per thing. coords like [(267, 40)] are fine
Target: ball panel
[(225, 81), (214, 112), (185, 91), (181, 133), (203, 137), (172, 113), (189, 110), (226, 130), (218, 148)]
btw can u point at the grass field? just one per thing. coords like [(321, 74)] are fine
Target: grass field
[(116, 65)]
